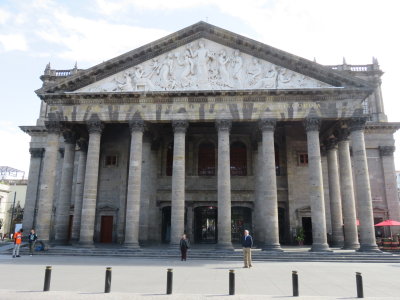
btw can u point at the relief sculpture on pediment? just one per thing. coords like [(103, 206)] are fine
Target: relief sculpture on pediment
[(203, 65)]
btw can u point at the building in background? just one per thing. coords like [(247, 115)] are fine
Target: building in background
[(208, 132)]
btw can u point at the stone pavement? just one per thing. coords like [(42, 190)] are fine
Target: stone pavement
[(138, 278)]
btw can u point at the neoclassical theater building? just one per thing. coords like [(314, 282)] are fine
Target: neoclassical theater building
[(208, 133)]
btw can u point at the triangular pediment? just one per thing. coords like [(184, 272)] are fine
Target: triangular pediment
[(204, 65), (204, 57)]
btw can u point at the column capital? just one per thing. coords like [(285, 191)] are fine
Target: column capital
[(267, 124), (331, 144), (82, 143), (95, 126), (136, 125), (223, 124), (36, 152), (312, 124), (69, 136), (53, 126), (180, 125), (342, 134), (357, 123), (386, 150)]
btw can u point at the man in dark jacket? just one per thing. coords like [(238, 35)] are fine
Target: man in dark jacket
[(32, 237), (247, 244)]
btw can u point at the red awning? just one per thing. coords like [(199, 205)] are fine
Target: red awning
[(388, 223)]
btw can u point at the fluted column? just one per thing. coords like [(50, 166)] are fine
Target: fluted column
[(64, 201), (347, 192), (389, 176), (146, 188), (268, 204), (362, 186), (178, 182), (33, 187), (224, 185), (47, 185), (316, 186), (134, 185), (95, 128), (334, 194), (259, 228), (78, 195)]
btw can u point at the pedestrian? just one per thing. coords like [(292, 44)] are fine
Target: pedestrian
[(184, 245), (247, 244), (17, 243), (32, 237)]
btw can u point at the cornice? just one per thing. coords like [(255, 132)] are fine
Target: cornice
[(382, 127)]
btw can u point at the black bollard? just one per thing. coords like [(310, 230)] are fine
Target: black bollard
[(107, 287), (359, 282), (47, 279), (169, 281), (295, 283), (231, 282)]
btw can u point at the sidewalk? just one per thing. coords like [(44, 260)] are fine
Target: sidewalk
[(133, 278)]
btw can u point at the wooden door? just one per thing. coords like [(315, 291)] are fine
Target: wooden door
[(106, 229)]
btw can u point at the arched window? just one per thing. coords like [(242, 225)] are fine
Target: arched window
[(238, 159), (170, 159), (206, 159)]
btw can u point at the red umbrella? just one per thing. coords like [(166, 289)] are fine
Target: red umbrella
[(388, 223)]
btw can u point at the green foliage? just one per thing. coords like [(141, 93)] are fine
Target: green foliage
[(300, 236)]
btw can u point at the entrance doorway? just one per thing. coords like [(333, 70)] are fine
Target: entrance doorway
[(241, 221), (205, 218), (106, 229), (166, 224), (307, 227)]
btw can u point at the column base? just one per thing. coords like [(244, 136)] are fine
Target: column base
[(337, 244), (224, 246), (320, 248), (86, 244), (351, 246), (131, 245), (369, 248), (272, 247)]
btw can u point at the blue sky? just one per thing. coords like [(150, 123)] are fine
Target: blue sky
[(35, 32)]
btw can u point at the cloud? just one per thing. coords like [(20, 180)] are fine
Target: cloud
[(4, 16), (12, 42)]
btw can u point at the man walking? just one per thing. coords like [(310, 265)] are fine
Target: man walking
[(32, 237), (247, 244), (17, 243)]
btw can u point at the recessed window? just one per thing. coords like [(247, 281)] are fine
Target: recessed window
[(111, 161), (206, 159), (302, 159), (238, 159)]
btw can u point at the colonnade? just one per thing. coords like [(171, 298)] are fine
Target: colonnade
[(341, 187)]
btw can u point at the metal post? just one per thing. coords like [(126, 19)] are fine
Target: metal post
[(107, 287), (169, 281), (231, 282), (47, 278), (295, 283), (359, 282), (12, 214)]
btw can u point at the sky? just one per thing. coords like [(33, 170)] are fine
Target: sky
[(36, 32)]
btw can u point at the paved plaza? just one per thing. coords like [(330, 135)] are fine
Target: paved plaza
[(135, 278)]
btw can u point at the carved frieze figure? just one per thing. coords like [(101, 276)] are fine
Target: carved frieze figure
[(203, 65)]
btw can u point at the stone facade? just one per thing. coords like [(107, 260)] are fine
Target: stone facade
[(209, 133)]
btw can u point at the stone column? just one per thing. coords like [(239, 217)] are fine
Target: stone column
[(268, 204), (316, 186), (146, 188), (32, 188), (178, 182), (134, 185), (347, 192), (189, 223), (334, 194), (79, 186), (64, 202), (259, 229), (224, 185), (362, 186), (95, 128), (48, 180), (389, 176)]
